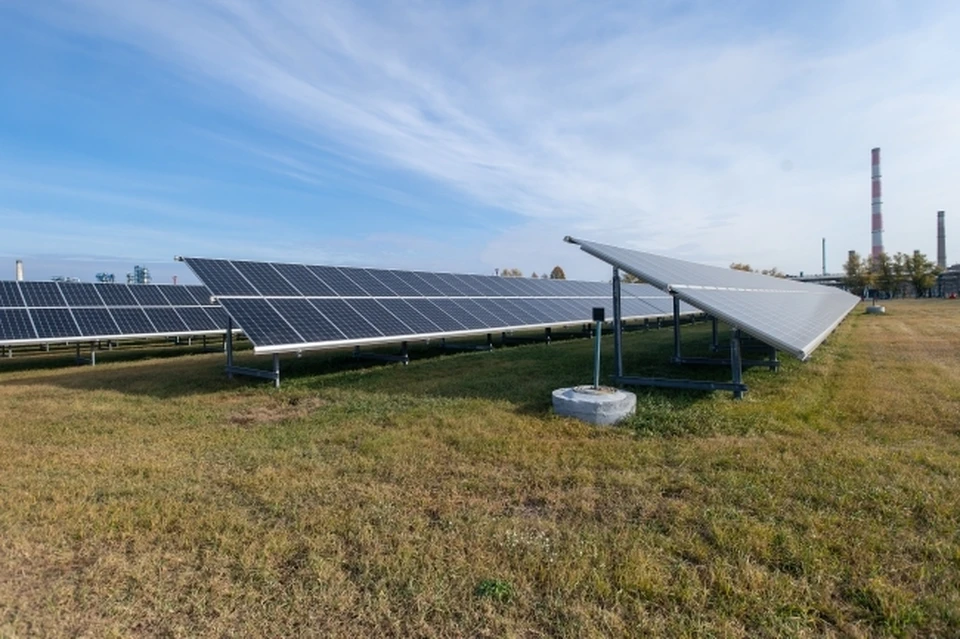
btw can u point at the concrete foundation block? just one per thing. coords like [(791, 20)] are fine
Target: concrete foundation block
[(601, 406)]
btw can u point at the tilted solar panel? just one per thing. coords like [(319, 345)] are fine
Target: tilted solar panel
[(793, 316), (292, 307)]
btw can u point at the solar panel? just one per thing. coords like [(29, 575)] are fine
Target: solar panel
[(44, 312), (41, 294), (792, 316), (300, 306)]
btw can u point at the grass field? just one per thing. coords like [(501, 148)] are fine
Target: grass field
[(156, 497)]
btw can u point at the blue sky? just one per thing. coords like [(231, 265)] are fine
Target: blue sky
[(469, 136)]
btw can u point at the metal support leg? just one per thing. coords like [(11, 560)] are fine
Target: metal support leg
[(546, 335), (617, 325), (404, 353), (735, 362), (715, 339), (276, 370), (228, 345), (676, 330)]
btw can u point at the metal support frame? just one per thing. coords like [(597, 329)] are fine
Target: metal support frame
[(92, 360), (714, 337), (735, 362), (403, 357), (468, 347), (517, 339), (617, 325), (676, 330), (249, 372)]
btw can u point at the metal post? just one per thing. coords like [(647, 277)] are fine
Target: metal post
[(676, 329), (276, 370), (229, 345), (715, 343), (93, 354), (547, 335), (736, 365), (596, 358), (617, 325), (204, 342), (490, 341), (404, 353)]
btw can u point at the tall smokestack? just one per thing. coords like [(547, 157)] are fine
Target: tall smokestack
[(19, 270), (823, 252), (941, 242), (877, 221)]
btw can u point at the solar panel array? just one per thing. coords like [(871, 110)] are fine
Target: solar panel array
[(793, 316), (59, 312), (284, 307)]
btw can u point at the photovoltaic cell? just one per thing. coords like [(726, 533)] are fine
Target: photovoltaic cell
[(176, 295), (77, 294), (345, 318), (95, 321), (304, 280), (147, 295), (384, 321), (201, 294), (436, 315), (483, 285), (132, 321), (307, 320), (484, 315), (54, 322), (457, 312), (368, 282), (40, 294), (197, 319), (337, 280), (426, 284), (444, 286), (265, 279), (400, 283), (116, 295), (228, 278), (465, 285), (218, 315), (417, 321), (15, 324), (260, 322), (10, 295), (166, 320)]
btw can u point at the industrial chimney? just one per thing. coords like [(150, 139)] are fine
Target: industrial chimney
[(941, 242), (19, 270), (877, 215), (823, 254)]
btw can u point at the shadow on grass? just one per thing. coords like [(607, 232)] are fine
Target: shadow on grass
[(523, 375)]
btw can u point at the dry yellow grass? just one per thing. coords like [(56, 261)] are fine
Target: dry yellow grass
[(443, 499)]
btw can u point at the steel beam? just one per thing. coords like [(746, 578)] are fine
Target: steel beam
[(736, 364), (687, 384), (617, 325)]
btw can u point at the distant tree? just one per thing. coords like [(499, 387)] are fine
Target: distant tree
[(630, 278), (922, 273), (858, 276), (900, 272), (740, 266), (886, 276), (773, 272), (511, 272), (557, 274), (535, 276)]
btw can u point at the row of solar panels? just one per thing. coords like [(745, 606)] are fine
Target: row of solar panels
[(44, 312), (238, 278), (284, 307)]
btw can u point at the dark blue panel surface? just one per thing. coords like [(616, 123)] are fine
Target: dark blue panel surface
[(95, 322), (483, 314), (436, 315), (116, 295), (197, 319), (307, 320), (148, 295), (304, 280), (381, 318), (368, 282), (54, 322), (417, 321), (166, 320), (220, 277), (132, 321), (260, 322), (176, 295), (218, 315), (266, 279), (511, 307), (78, 294), (10, 295), (485, 285), (435, 286), (453, 286), (457, 312), (400, 282), (338, 281), (561, 310), (42, 294), (347, 320), (15, 324), (535, 310), (507, 318), (201, 294)]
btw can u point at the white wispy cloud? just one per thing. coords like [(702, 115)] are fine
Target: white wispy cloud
[(704, 134)]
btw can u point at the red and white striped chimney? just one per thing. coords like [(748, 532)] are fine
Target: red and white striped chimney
[(877, 221)]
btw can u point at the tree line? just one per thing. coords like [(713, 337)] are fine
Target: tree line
[(555, 274), (892, 275)]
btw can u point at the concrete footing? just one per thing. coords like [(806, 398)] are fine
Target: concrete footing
[(602, 406), (876, 310)]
